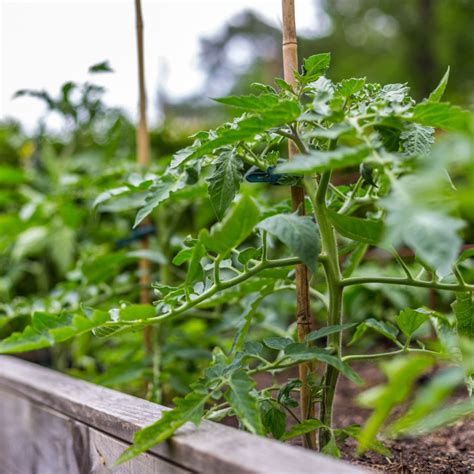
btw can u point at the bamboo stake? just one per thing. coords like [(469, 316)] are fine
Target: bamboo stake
[(303, 314), (143, 158)]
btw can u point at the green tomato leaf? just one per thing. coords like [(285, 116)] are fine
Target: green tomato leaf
[(47, 329), (224, 183), (301, 352), (189, 408), (442, 115), (237, 225), (274, 421), (245, 128), (159, 192), (317, 161), (303, 428), (314, 335), (463, 309), (437, 94), (278, 343), (348, 87), (362, 230), (243, 401), (299, 233), (417, 140), (313, 67), (409, 320)]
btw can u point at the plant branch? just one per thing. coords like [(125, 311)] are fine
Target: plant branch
[(406, 282), (223, 285)]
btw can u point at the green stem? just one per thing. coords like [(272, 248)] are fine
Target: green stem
[(284, 262), (406, 282), (333, 278), (386, 354)]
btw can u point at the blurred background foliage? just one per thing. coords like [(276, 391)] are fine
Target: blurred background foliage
[(409, 41), (56, 254)]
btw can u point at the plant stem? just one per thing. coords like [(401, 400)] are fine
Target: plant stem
[(143, 159), (303, 314), (333, 278), (386, 354), (406, 282), (223, 285)]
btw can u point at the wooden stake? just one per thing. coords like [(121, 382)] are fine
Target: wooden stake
[(143, 158), (303, 314)]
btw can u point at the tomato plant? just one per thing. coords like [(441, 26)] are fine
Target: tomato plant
[(408, 193)]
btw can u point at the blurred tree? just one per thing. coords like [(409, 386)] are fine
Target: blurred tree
[(386, 41)]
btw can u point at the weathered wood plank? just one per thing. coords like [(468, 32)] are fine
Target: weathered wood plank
[(35, 439), (211, 449)]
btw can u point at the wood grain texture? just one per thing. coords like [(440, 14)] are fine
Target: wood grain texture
[(88, 416), (303, 310), (36, 439)]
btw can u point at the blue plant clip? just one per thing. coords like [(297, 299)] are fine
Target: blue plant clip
[(137, 234), (255, 175)]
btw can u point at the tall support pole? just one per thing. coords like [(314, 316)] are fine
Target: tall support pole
[(303, 314), (143, 158)]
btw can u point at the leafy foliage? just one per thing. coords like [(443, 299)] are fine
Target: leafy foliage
[(222, 310)]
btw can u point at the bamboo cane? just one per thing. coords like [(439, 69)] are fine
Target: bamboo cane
[(143, 158), (303, 314)]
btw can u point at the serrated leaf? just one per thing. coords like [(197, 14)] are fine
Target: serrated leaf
[(314, 67), (417, 140), (442, 115), (409, 320), (159, 192), (234, 229), (47, 329), (283, 112), (437, 94), (317, 161), (299, 233), (274, 421), (189, 408), (348, 87), (394, 92), (303, 428), (463, 309), (243, 401), (224, 183), (361, 230)]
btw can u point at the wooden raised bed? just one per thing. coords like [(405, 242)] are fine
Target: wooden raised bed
[(51, 423)]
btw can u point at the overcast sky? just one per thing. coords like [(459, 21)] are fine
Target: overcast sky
[(46, 43)]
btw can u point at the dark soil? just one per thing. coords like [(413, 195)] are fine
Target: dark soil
[(448, 450)]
